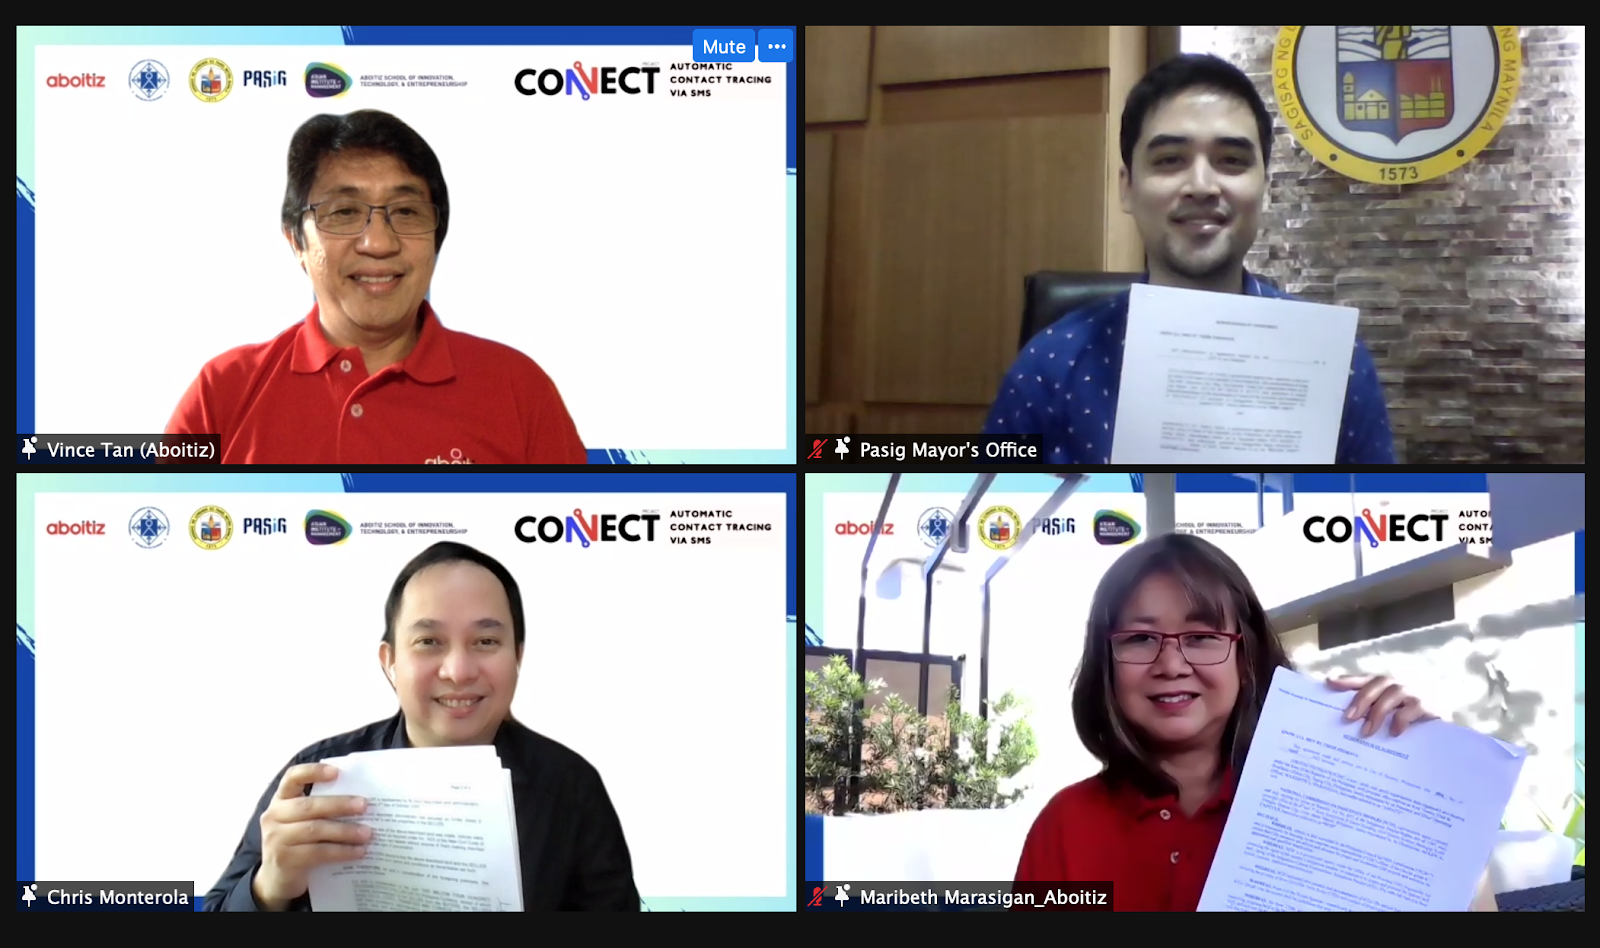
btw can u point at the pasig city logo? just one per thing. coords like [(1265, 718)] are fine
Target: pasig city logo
[(1112, 527), (326, 528), (999, 528), (588, 529), (211, 80), (211, 528), (593, 81), (1396, 104)]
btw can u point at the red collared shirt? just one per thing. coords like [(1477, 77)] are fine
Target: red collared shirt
[(1155, 857), (455, 399)]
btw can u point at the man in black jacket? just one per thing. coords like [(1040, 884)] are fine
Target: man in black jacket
[(450, 618)]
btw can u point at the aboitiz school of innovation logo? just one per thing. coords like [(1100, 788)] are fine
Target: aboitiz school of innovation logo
[(1395, 104)]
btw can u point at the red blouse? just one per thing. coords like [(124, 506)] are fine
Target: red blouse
[(1155, 857)]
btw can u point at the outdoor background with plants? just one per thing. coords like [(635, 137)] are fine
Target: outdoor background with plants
[(908, 760)]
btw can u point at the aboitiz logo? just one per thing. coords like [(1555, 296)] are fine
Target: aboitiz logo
[(595, 528), (596, 80)]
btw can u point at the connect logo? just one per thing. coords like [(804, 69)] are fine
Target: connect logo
[(1113, 527), (1376, 529), (595, 528), (596, 80), (326, 528), (326, 81)]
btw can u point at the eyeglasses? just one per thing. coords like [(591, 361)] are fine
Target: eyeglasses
[(349, 218), (1198, 648)]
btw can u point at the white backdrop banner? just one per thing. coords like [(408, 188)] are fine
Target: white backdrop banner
[(174, 682), (634, 245)]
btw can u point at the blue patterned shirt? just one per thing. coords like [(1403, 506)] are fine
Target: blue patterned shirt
[(1064, 386)]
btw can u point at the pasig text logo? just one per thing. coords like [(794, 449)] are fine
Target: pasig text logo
[(594, 528), (1113, 527), (596, 80), (266, 526), (1395, 527), (862, 529), (265, 78), (148, 527), (326, 528), (1054, 526)]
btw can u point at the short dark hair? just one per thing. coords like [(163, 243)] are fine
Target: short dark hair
[(368, 130), (1191, 71), (447, 552), (1217, 589)]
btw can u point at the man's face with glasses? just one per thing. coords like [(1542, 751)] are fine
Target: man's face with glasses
[(370, 269), (1176, 670)]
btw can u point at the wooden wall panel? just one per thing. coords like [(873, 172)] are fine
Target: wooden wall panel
[(921, 419), (960, 212), (933, 53), (828, 420), (819, 195), (837, 61), (847, 268), (1129, 50)]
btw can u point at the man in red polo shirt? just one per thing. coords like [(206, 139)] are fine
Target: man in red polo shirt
[(371, 376)]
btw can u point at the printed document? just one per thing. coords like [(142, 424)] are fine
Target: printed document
[(444, 834), (1228, 378), (1324, 820)]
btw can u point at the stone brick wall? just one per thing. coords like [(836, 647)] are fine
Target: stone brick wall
[(1470, 286)]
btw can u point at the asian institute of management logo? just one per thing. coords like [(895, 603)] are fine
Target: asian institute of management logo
[(934, 525), (999, 528), (1114, 527), (1395, 104), (211, 528), (149, 528), (149, 80), (211, 80)]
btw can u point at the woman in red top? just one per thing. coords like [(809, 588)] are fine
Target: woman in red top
[(1176, 666)]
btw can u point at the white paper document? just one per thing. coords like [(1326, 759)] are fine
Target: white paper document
[(1324, 820), (1224, 377), (444, 834)]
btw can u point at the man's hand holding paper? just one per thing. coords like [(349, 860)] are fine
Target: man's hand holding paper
[(443, 833), (1229, 378)]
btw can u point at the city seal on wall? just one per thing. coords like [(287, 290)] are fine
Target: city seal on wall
[(1395, 104)]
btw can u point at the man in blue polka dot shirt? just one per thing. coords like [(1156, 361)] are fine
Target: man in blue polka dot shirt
[(1196, 139)]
